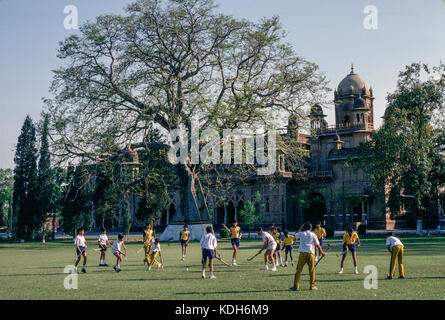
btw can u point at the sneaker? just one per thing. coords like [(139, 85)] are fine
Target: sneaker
[(285, 264), (401, 277), (212, 277), (265, 267), (203, 276), (274, 268), (314, 288), (388, 277), (292, 263), (149, 268), (105, 265), (160, 265), (84, 270), (341, 271), (75, 270), (235, 264), (294, 288), (356, 271), (101, 264)]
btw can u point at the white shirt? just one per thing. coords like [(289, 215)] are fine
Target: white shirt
[(208, 241), (155, 247), (393, 241), (79, 241), (267, 236), (103, 239), (308, 241), (117, 246)]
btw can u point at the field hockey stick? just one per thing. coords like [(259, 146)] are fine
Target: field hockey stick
[(219, 258), (341, 254), (251, 258), (329, 247)]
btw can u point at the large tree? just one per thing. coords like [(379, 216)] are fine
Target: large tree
[(405, 157), (6, 191), (166, 63), (25, 181)]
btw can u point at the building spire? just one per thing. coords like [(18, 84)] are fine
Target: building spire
[(352, 68)]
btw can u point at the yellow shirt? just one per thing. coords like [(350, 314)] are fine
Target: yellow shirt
[(185, 235), (148, 235), (289, 240), (320, 233), (276, 236), (350, 239), (234, 232)]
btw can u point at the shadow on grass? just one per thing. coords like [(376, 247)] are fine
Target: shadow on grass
[(240, 292)]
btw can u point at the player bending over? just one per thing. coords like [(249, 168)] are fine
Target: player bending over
[(395, 247), (154, 251), (308, 243), (349, 240), (235, 237), (208, 244), (270, 245), (81, 249), (184, 239), (116, 250), (321, 235), (103, 242), (288, 247)]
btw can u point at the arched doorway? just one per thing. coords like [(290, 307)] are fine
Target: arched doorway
[(240, 207), (230, 212), (315, 208), (164, 217), (220, 214), (171, 212)]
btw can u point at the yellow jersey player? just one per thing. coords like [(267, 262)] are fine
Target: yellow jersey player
[(321, 235), (147, 236), (184, 239), (349, 240), (288, 242), (235, 237), (155, 249)]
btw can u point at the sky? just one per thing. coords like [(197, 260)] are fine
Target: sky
[(329, 33)]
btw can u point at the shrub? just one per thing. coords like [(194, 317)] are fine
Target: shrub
[(223, 233), (361, 230), (330, 231)]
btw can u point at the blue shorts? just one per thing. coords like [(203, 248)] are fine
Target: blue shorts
[(351, 247), (235, 242), (288, 249), (207, 253), (103, 248), (321, 242), (278, 247), (184, 243), (82, 250)]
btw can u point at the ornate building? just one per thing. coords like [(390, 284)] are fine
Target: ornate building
[(336, 191)]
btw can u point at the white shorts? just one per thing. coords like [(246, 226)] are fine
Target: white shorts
[(115, 252), (272, 246)]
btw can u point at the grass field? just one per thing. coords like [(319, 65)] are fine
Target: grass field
[(35, 271)]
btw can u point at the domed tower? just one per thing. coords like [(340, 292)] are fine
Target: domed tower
[(317, 117), (354, 102)]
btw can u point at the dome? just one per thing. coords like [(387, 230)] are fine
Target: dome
[(353, 84), (316, 110)]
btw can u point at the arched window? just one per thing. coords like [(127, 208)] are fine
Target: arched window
[(346, 119), (358, 118)]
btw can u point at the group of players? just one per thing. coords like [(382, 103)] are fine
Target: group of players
[(310, 249)]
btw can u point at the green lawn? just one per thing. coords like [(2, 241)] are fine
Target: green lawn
[(35, 271)]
